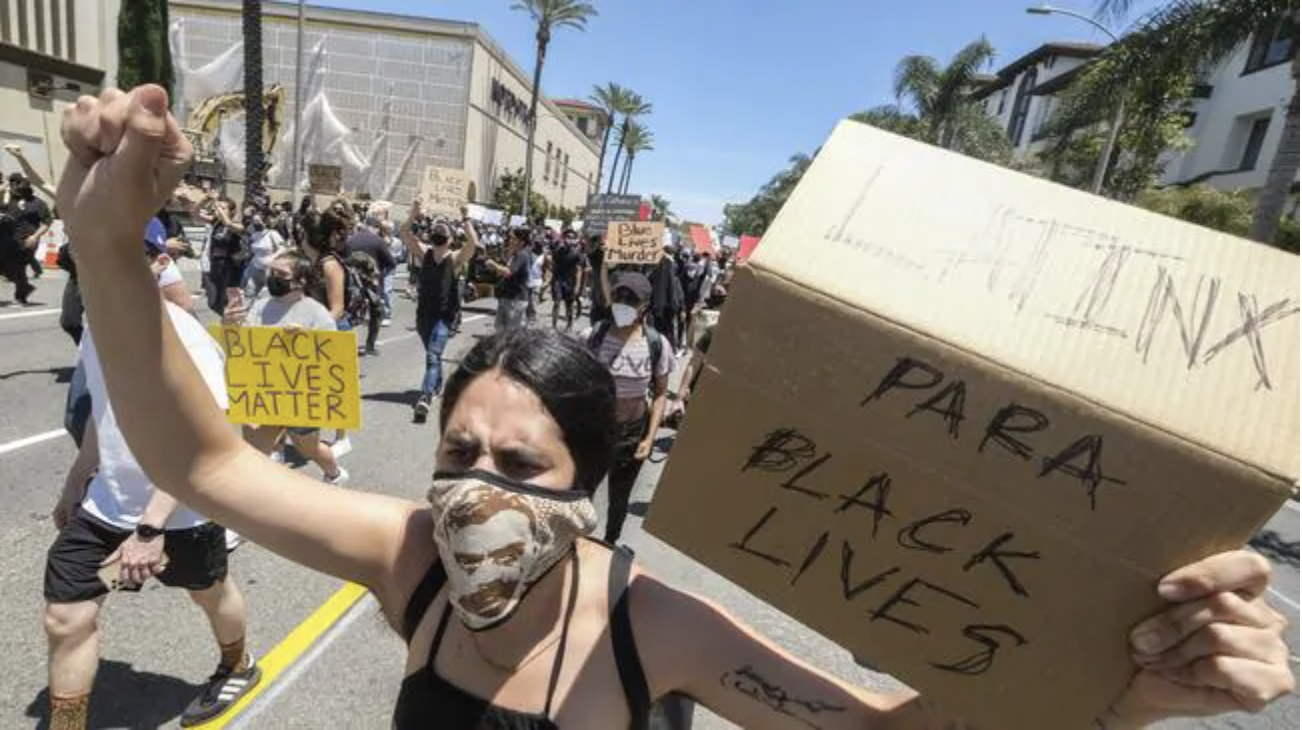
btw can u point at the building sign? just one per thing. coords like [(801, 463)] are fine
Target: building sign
[(509, 106)]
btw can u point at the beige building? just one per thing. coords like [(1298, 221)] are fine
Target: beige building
[(395, 94), (51, 52)]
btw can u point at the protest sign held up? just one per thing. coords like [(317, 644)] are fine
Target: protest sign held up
[(635, 243), (278, 377), (965, 447), (325, 179), (444, 190), (604, 209)]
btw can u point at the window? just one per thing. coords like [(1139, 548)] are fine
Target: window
[(582, 124), (1003, 101), (565, 171), (1021, 107), (1252, 149), (547, 167), (1272, 46)]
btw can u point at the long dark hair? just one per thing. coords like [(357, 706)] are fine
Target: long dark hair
[(316, 229), (576, 390)]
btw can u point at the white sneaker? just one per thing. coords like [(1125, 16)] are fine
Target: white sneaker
[(342, 447), (339, 479), (233, 540), (278, 456), (386, 322)]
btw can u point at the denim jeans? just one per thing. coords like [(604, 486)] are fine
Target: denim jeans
[(435, 338), (387, 293)]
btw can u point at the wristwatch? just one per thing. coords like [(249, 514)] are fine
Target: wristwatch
[(148, 532)]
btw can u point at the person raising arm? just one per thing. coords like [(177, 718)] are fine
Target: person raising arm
[(527, 424)]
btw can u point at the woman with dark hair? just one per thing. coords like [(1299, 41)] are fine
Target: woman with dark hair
[(551, 630)]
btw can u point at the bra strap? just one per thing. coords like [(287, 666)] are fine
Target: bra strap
[(637, 694), (422, 598), (565, 631)]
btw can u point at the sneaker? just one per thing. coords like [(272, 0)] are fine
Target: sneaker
[(373, 352), (386, 322), (278, 455), (338, 480), (421, 410), (223, 689), (233, 540), (342, 447)]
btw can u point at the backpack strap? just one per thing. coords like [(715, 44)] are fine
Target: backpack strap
[(598, 335), (656, 347), (636, 691)]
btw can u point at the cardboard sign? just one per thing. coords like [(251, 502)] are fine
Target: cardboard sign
[(517, 221), (275, 377), (325, 179), (635, 243), (444, 190), (966, 446), (602, 210)]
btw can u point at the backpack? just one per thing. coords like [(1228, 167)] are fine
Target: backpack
[(360, 291), (654, 344)]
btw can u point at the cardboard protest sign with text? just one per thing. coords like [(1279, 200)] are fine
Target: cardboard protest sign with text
[(444, 190), (966, 446), (279, 377), (635, 243), (325, 179)]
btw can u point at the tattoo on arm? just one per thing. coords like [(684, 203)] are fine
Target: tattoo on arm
[(748, 682), (936, 718)]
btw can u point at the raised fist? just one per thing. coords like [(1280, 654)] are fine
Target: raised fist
[(126, 155)]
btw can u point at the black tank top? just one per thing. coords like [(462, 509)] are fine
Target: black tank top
[(425, 697)]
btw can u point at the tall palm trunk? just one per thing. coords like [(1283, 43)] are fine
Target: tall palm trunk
[(254, 159), (543, 38), (628, 173), (1283, 170), (605, 140), (619, 148)]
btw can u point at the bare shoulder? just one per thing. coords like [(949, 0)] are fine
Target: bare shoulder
[(667, 621), (415, 555)]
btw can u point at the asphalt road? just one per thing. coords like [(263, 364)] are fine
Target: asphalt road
[(156, 647)]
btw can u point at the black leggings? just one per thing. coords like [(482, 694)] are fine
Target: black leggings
[(623, 475)]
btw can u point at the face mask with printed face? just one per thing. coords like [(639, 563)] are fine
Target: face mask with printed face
[(623, 314), (497, 537)]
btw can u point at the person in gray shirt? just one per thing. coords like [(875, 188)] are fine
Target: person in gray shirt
[(288, 307)]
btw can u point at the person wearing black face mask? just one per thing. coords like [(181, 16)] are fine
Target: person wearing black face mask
[(439, 299), (23, 220), (288, 274)]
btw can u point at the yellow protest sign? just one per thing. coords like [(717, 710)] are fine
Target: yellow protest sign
[(279, 377)]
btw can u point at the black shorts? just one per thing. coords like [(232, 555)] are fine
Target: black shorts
[(564, 291), (196, 558)]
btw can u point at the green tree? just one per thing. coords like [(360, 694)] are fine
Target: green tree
[(632, 106), (510, 193), (660, 210), (637, 139), (753, 217), (254, 156), (144, 54), (548, 15), (610, 98), (940, 96), (1189, 36), (891, 118)]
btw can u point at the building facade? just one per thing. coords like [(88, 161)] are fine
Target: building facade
[(51, 52), (1236, 118), (386, 96)]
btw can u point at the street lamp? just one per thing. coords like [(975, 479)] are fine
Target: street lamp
[(1101, 169)]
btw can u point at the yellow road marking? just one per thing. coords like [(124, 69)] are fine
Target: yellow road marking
[(284, 654)]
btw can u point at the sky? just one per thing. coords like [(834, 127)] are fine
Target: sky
[(739, 86)]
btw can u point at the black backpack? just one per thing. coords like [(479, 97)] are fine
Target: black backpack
[(654, 344)]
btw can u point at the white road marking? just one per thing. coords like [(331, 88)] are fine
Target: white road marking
[(28, 313), (30, 440), (1281, 597), (399, 338)]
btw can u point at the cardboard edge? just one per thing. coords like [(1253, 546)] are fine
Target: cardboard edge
[(1282, 483)]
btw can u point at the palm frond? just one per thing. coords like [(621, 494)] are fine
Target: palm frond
[(916, 77), (955, 79)]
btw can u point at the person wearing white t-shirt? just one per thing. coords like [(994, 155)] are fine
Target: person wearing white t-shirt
[(116, 531), (264, 244)]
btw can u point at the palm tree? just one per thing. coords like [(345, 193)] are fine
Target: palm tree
[(254, 161), (637, 138), (940, 95), (144, 55), (632, 106), (660, 208), (610, 98), (548, 14), (1198, 34)]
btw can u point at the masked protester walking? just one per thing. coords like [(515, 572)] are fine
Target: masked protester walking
[(288, 307), (117, 531), (567, 267), (24, 218), (513, 285), (640, 359), (439, 301)]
